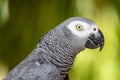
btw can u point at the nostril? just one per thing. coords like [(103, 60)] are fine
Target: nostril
[(94, 29), (89, 37)]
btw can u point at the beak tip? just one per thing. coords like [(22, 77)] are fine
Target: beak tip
[(101, 47), (101, 41)]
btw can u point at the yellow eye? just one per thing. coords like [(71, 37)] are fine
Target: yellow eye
[(78, 27)]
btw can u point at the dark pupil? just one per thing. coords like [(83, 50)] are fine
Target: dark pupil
[(79, 27)]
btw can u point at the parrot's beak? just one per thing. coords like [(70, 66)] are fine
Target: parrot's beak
[(95, 41)]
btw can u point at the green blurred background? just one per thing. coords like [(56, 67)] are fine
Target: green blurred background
[(24, 22)]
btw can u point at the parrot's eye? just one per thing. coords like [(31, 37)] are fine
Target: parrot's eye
[(78, 27)]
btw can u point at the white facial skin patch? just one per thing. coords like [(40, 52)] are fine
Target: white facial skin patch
[(86, 28)]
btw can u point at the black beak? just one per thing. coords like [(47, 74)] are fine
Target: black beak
[(95, 41)]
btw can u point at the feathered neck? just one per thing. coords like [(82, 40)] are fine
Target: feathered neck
[(58, 50)]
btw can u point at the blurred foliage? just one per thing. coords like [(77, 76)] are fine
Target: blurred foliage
[(3, 11), (24, 22)]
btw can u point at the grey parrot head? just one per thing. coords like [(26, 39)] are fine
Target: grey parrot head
[(83, 32)]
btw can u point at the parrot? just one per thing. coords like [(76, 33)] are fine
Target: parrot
[(55, 52)]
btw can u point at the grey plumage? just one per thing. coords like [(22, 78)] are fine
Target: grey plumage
[(54, 54)]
